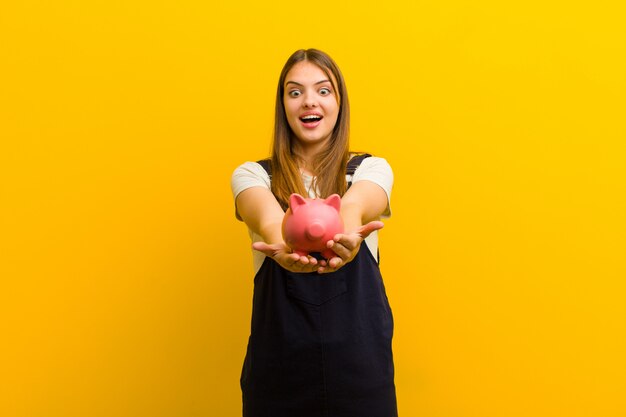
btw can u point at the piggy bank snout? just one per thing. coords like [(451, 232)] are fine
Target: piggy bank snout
[(315, 230)]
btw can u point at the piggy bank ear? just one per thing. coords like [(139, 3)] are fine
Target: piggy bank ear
[(296, 201), (334, 201)]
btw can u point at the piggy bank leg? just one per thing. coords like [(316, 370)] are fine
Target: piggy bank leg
[(328, 253)]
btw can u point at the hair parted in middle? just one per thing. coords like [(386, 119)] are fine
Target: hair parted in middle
[(330, 165)]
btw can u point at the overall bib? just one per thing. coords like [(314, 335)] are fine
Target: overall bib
[(320, 344)]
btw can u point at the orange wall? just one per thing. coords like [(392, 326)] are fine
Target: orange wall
[(125, 280)]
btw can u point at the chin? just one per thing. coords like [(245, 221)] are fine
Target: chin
[(315, 139)]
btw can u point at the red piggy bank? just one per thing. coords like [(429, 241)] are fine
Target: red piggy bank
[(310, 223)]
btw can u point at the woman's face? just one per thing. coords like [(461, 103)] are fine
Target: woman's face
[(311, 104)]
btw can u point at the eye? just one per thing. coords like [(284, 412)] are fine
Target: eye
[(325, 91), (294, 93)]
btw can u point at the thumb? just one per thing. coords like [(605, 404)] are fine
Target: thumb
[(370, 227), (264, 247)]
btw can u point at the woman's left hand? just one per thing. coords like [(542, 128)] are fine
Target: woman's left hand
[(346, 246)]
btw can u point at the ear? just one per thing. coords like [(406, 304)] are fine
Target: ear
[(334, 201), (296, 201)]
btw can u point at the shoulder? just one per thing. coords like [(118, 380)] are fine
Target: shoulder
[(249, 174), (377, 170), (249, 166), (374, 166)]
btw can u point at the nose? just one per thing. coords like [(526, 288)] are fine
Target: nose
[(309, 101)]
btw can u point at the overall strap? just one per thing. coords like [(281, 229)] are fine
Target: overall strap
[(353, 164), (267, 166)]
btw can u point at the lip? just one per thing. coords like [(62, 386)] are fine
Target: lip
[(311, 113), (310, 125)]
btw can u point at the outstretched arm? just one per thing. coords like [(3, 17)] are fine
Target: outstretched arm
[(361, 207), (259, 209)]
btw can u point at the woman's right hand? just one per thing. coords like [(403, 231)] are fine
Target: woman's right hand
[(286, 258)]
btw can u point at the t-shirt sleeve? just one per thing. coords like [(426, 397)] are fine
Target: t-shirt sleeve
[(247, 175), (378, 171)]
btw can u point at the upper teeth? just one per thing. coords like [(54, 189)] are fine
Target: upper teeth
[(311, 117)]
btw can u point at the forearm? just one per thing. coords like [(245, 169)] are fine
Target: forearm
[(360, 211), (363, 202), (261, 212), (271, 232), (352, 215)]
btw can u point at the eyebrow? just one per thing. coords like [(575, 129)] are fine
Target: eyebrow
[(301, 85)]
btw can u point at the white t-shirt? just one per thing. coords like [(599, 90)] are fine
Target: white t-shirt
[(374, 169)]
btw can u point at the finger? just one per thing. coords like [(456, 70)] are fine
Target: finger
[(292, 259), (342, 243), (370, 227), (325, 270), (300, 268), (341, 250), (335, 262), (303, 260)]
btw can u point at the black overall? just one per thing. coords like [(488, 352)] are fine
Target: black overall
[(320, 344)]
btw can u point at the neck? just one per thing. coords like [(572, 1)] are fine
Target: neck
[(307, 154)]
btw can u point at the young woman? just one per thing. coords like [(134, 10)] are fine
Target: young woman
[(320, 343)]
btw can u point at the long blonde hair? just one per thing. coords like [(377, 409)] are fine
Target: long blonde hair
[(330, 165)]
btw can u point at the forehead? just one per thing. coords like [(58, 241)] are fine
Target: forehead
[(305, 72)]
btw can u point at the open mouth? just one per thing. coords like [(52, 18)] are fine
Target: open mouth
[(310, 119)]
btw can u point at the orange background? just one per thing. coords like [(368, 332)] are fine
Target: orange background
[(126, 282)]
